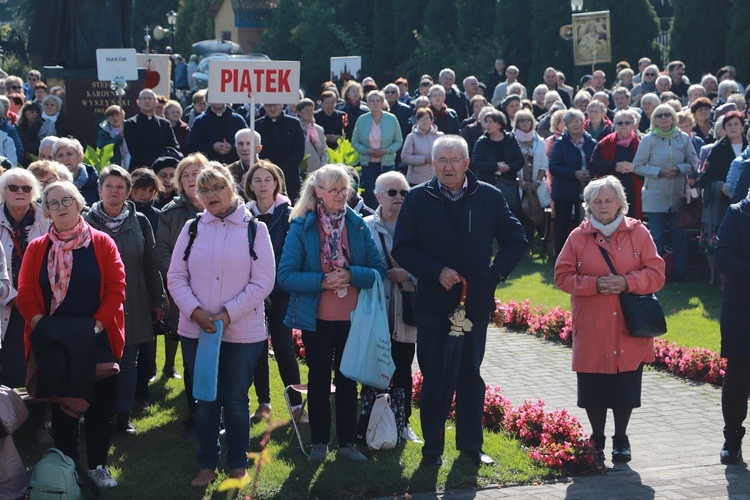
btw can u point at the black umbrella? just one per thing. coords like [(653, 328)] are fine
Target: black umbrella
[(453, 348)]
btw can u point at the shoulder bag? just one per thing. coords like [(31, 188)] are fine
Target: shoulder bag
[(643, 313), (407, 297)]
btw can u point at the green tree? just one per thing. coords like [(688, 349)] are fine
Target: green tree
[(738, 39), (699, 33), (193, 25), (547, 48), (513, 30)]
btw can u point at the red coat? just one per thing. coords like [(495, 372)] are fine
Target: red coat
[(111, 290), (601, 341)]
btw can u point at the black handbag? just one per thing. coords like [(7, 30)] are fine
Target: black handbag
[(407, 297), (643, 313)]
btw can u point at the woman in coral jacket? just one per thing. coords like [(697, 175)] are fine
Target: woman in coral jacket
[(608, 360), (76, 271)]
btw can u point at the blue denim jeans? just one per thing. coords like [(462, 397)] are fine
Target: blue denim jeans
[(236, 366), (657, 224), (127, 378)]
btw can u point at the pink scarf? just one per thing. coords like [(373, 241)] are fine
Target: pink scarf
[(312, 136), (524, 136), (333, 247), (626, 142), (60, 258)]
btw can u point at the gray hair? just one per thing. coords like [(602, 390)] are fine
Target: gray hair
[(621, 90), (727, 87), (663, 78), (48, 141), (244, 131), (515, 88), (483, 112), (436, 87), (633, 115), (67, 142), (386, 178), (16, 174), (68, 189), (597, 104), (422, 101), (447, 71), (327, 176), (539, 88), (582, 96), (625, 72), (553, 93), (572, 114), (469, 78), (447, 142), (650, 98), (591, 191), (697, 86)]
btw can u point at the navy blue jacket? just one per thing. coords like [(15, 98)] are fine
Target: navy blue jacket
[(484, 160), (284, 144), (564, 161), (433, 232), (402, 112), (209, 128), (733, 259), (278, 227), (301, 273)]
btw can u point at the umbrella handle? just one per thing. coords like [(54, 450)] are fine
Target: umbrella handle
[(464, 289)]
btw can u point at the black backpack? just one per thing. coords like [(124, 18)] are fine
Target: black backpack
[(252, 228)]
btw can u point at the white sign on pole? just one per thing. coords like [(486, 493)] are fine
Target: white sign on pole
[(267, 82), (117, 63)]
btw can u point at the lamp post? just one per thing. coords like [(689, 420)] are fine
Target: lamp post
[(575, 7), (172, 20)]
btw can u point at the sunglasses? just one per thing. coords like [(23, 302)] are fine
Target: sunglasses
[(14, 189), (620, 124), (649, 74), (390, 92), (524, 120), (662, 115), (15, 87), (393, 192)]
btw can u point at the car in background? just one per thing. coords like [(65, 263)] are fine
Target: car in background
[(199, 79)]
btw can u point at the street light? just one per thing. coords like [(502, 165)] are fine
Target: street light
[(172, 20), (576, 5)]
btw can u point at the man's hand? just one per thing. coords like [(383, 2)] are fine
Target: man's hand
[(583, 175), (397, 275), (448, 278)]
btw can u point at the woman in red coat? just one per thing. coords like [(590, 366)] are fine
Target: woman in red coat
[(607, 359), (74, 273)]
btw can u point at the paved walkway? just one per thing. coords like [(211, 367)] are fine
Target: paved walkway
[(675, 436)]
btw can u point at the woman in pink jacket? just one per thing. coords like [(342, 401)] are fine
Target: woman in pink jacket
[(221, 278), (608, 360)]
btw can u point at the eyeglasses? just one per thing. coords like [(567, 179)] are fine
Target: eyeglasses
[(213, 190), (662, 115), (524, 120), (335, 192), (393, 192), (391, 92), (15, 87), (649, 74), (620, 124), (14, 189), (49, 181), (454, 162), (65, 202)]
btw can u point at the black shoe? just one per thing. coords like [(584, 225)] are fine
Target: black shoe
[(431, 461), (124, 425), (598, 442), (731, 452), (621, 449), (478, 457)]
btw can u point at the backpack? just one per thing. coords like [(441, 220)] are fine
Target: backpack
[(55, 477), (252, 228), (381, 429)]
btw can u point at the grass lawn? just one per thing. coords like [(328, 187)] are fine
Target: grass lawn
[(159, 462), (692, 308)]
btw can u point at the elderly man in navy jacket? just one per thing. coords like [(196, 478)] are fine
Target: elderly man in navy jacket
[(445, 231)]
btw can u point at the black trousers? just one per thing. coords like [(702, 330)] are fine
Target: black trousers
[(734, 392), (436, 352), (283, 349), (97, 427), (403, 357), (563, 220), (322, 347)]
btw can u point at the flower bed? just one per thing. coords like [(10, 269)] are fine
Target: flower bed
[(694, 363), (555, 439)]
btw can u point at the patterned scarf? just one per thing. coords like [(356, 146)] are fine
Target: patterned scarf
[(579, 144), (333, 246), (113, 223), (312, 135), (20, 239), (60, 258)]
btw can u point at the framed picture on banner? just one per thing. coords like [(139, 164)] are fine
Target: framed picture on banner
[(592, 42)]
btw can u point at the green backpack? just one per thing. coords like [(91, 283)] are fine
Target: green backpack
[(55, 477)]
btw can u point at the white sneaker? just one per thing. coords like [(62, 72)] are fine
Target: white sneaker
[(102, 477), (408, 434)]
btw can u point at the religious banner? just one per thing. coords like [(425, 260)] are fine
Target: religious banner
[(158, 72), (591, 38)]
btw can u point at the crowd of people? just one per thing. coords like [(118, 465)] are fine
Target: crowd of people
[(200, 219)]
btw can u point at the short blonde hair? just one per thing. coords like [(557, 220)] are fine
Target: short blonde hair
[(43, 168), (68, 189), (216, 174), (188, 161), (172, 104), (660, 109)]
